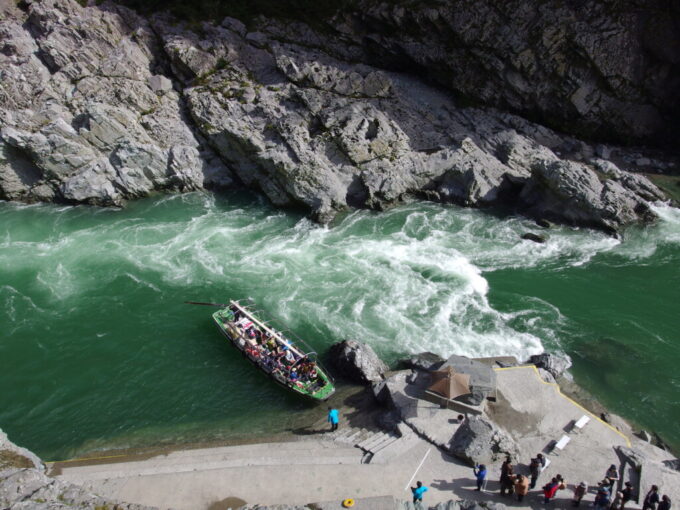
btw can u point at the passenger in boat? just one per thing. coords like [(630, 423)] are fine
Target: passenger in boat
[(237, 313), (268, 363), (288, 355), (244, 323), (252, 351)]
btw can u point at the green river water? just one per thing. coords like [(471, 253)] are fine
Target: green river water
[(98, 350)]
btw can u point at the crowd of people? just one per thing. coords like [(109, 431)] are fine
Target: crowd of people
[(606, 495), (273, 352)]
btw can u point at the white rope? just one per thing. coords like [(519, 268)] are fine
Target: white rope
[(417, 469)]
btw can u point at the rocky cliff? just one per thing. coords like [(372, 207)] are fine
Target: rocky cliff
[(99, 105), (607, 69)]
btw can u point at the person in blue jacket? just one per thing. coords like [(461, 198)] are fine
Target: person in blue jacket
[(418, 491), (480, 474), (333, 418)]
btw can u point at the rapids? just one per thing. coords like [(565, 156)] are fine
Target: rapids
[(99, 351)]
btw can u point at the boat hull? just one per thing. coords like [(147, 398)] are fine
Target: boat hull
[(312, 392)]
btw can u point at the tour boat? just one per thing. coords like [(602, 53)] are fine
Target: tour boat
[(289, 363)]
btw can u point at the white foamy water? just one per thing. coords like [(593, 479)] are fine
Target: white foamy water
[(410, 279)]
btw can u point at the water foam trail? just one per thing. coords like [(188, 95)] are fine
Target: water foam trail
[(408, 279)]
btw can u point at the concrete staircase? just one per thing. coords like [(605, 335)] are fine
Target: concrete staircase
[(378, 447)]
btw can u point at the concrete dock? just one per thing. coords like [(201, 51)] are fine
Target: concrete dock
[(330, 468)]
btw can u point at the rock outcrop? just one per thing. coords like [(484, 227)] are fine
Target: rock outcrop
[(99, 105), (87, 113), (423, 361), (554, 364), (358, 362), (479, 441), (24, 485)]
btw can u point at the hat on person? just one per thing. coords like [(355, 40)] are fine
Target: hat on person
[(583, 484)]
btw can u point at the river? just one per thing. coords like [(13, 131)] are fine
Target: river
[(99, 350)]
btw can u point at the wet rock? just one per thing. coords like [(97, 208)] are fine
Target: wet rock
[(537, 238), (615, 421), (546, 376), (358, 362), (479, 441), (423, 361), (644, 435), (541, 222), (555, 364)]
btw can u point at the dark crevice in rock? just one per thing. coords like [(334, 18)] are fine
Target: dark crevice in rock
[(27, 173), (358, 193)]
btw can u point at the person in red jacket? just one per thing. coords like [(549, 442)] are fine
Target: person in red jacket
[(550, 489)]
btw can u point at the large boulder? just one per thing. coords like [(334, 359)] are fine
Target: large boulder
[(479, 441), (357, 362), (555, 364)]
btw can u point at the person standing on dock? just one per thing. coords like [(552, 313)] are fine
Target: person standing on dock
[(651, 499), (521, 487), (418, 492), (535, 469), (480, 474), (613, 476), (665, 503), (333, 418)]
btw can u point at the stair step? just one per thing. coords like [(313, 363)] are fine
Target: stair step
[(387, 442), (375, 440)]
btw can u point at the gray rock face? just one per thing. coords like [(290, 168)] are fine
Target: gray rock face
[(554, 364), (358, 362), (15, 457), (86, 115), (583, 68), (99, 105), (24, 485), (308, 128), (479, 441)]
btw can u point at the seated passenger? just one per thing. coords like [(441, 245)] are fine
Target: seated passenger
[(244, 323), (288, 354)]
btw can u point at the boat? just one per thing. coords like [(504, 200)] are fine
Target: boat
[(289, 363)]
